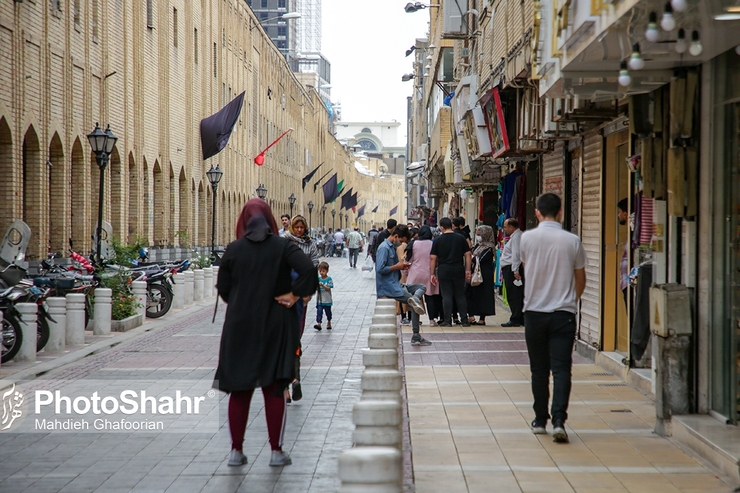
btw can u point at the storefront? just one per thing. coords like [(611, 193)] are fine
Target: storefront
[(720, 298)]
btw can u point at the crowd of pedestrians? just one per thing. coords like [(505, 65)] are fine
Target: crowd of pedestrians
[(268, 275)]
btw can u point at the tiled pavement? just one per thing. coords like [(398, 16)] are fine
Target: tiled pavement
[(469, 405)]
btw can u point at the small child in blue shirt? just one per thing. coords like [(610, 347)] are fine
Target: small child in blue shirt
[(324, 299)]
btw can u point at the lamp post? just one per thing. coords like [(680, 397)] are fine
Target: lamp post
[(340, 220), (323, 216), (261, 191), (346, 220), (214, 176), (102, 144), (310, 208), (291, 201), (333, 224)]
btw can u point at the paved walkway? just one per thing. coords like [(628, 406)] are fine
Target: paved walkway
[(469, 405)]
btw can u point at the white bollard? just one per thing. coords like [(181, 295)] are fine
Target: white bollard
[(380, 359), (58, 328), (383, 329), (385, 319), (385, 302), (383, 341), (385, 310), (178, 288), (198, 280), (75, 319), (29, 329), (208, 282), (103, 308), (215, 280), (381, 385), (189, 281), (371, 470), (139, 290), (377, 423)]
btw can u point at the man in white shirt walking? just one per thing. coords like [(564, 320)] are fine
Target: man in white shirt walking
[(339, 242), (555, 263), (354, 243), (511, 268)]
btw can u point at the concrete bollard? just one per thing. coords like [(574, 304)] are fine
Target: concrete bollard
[(189, 281), (385, 319), (75, 329), (381, 385), (103, 308), (139, 290), (29, 329), (383, 341), (383, 329), (385, 310), (208, 282), (380, 359), (215, 280), (178, 288), (377, 423), (58, 329), (198, 281), (371, 470)]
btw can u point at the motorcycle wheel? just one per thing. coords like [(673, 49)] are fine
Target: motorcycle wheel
[(158, 301), (42, 333), (12, 338)]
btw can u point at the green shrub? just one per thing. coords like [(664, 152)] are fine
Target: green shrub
[(125, 254), (201, 261), (124, 302)]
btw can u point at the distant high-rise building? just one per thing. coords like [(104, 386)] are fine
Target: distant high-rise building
[(299, 40)]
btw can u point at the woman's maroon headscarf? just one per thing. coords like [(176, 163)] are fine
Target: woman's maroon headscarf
[(256, 221)]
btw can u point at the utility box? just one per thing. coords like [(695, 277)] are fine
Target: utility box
[(671, 324), (670, 310)]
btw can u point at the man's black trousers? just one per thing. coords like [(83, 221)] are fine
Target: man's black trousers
[(514, 295), (454, 289)]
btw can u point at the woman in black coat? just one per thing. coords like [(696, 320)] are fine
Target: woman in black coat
[(261, 333), (481, 299)]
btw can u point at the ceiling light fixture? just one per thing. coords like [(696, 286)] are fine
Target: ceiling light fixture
[(624, 75), (679, 5), (636, 62), (696, 48), (652, 29), (668, 22), (681, 45)]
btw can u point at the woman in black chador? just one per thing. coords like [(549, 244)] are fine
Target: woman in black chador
[(261, 333), (481, 298)]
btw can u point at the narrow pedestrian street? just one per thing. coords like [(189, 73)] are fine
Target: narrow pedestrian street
[(469, 405)]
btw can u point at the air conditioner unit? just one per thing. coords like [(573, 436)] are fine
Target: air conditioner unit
[(454, 21), (421, 152), (465, 52)]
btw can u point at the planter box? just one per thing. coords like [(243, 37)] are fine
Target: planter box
[(127, 323)]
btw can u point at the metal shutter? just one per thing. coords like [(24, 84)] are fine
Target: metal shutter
[(552, 170), (590, 323)]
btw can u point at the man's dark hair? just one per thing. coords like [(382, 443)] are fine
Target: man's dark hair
[(549, 205), (285, 215), (459, 222), (402, 231), (513, 222), (622, 205), (391, 223), (445, 223)]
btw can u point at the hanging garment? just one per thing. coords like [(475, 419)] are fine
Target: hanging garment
[(507, 193), (640, 334), (646, 220)]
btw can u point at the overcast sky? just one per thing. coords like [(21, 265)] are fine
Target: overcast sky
[(366, 43)]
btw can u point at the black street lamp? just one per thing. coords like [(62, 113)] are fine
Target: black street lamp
[(102, 144), (310, 208), (291, 201), (334, 224), (261, 191), (323, 216), (214, 176), (346, 220), (340, 220)]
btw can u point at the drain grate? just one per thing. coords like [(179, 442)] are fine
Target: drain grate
[(602, 374), (612, 385), (620, 410)]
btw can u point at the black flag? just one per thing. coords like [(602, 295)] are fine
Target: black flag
[(393, 211), (308, 177), (354, 200), (375, 209), (347, 200), (361, 211), (330, 189), (318, 182), (216, 129)]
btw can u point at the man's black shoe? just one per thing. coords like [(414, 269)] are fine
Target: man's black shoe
[(558, 432), (444, 324), (465, 324), (509, 324)]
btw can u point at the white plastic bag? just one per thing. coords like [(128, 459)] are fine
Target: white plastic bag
[(368, 264)]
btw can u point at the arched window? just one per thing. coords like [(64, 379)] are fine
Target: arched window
[(366, 131)]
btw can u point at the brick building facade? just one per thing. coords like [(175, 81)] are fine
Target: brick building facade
[(152, 70)]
